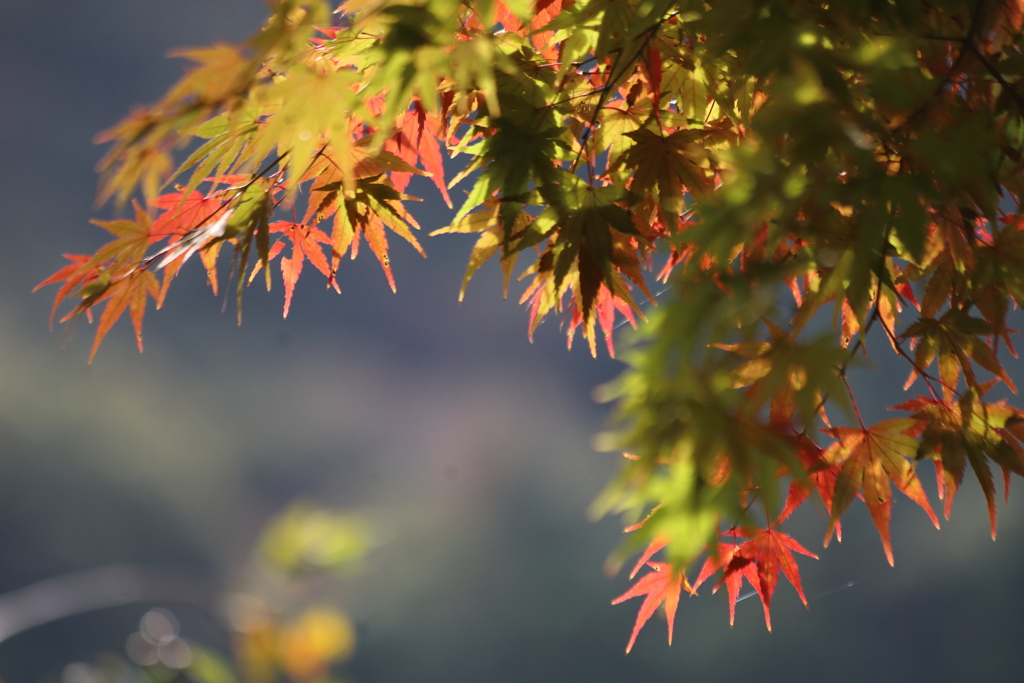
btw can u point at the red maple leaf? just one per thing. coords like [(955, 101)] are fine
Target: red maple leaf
[(190, 224), (663, 585), (759, 560), (822, 476), (80, 271), (657, 544), (183, 214)]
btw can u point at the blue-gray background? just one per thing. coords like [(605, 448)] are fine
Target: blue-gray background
[(466, 444)]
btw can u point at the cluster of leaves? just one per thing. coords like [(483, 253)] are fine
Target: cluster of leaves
[(861, 157)]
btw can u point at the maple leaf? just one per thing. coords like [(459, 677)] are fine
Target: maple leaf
[(73, 275), (672, 163), (190, 223), (758, 560), (870, 458), (954, 340), (1000, 276), (132, 237), (652, 549), (957, 433), (786, 375), (112, 275), (374, 205), (732, 578), (605, 306), (820, 474), (491, 240), (417, 139), (306, 241), (127, 293), (617, 120), (585, 229), (662, 585)]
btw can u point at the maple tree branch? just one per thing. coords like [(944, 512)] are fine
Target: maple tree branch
[(853, 399), (967, 42), (928, 379), (970, 46), (606, 88), (146, 261), (1007, 88), (861, 336)]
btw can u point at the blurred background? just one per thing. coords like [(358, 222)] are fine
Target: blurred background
[(457, 452)]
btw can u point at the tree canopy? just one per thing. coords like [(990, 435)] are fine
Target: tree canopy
[(797, 174)]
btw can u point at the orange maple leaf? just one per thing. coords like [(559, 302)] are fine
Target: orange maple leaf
[(945, 427), (306, 241), (417, 139), (870, 457)]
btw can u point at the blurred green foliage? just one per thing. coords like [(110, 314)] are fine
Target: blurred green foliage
[(280, 618)]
